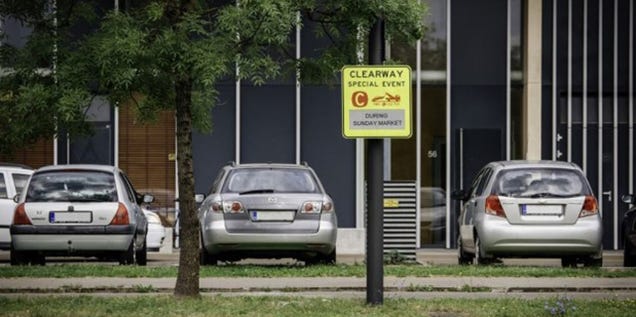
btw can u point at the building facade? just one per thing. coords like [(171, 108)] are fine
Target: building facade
[(492, 80)]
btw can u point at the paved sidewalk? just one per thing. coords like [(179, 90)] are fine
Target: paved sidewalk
[(500, 284)]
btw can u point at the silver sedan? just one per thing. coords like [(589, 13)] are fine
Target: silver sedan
[(530, 209), (268, 211)]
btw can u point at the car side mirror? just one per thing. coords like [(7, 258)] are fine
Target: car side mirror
[(628, 199), (198, 198), (459, 195), (148, 198)]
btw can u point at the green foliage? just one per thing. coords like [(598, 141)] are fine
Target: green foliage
[(142, 51)]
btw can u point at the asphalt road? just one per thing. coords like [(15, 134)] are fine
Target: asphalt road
[(425, 256)]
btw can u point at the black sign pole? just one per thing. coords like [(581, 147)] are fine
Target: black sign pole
[(375, 191)]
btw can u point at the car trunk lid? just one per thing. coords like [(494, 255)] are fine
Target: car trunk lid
[(71, 213), (541, 211), (273, 213)]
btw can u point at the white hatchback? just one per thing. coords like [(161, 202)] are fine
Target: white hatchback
[(13, 178), (156, 231), (79, 210)]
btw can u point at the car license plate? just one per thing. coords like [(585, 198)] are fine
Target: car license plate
[(272, 215), (70, 217), (529, 210)]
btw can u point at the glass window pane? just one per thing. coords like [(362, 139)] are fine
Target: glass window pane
[(20, 180), (3, 188), (274, 180), (72, 186), (434, 42)]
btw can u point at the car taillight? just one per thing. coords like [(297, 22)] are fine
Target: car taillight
[(493, 206), (590, 207), (20, 217), (217, 207), (121, 216), (327, 207), (233, 207), (311, 207), (315, 207)]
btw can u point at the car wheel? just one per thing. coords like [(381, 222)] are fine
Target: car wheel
[(207, 258), (37, 259), (463, 258), (593, 262), (128, 257), (18, 258), (629, 258), (142, 255), (568, 261), (479, 255), (329, 258)]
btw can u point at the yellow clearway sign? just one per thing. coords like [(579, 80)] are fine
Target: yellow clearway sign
[(376, 101)]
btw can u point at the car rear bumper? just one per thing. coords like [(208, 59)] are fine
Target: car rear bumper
[(500, 238), (154, 239), (218, 240), (71, 239), (5, 238)]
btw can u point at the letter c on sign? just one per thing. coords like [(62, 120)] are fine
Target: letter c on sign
[(359, 99)]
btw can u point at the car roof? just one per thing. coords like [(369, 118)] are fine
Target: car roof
[(14, 166), (269, 165), (90, 167), (533, 164)]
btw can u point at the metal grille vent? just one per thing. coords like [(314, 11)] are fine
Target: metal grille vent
[(400, 230)]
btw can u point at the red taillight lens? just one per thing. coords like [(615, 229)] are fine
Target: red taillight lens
[(590, 207), (316, 207), (121, 217), (327, 207), (233, 207), (20, 217), (310, 208), (493, 206), (217, 207)]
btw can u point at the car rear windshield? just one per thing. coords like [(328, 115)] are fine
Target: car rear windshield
[(541, 182), (270, 180), (72, 186)]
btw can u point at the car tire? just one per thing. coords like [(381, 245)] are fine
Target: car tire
[(128, 257), (18, 258), (568, 261), (141, 256), (463, 258), (629, 258), (37, 259), (593, 262), (330, 258), (479, 255), (207, 258)]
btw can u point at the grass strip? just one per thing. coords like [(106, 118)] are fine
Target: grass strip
[(166, 305), (231, 270)]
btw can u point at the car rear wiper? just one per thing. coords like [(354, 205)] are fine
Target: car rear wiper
[(257, 191), (545, 194), (88, 200)]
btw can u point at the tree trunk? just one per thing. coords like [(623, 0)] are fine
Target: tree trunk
[(188, 276)]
